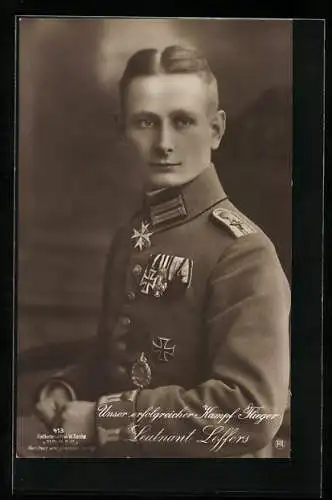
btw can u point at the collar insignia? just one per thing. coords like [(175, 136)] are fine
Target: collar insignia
[(168, 211)]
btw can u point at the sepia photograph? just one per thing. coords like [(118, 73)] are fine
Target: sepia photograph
[(154, 238)]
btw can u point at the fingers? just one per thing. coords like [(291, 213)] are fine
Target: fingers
[(77, 417), (45, 410), (49, 411), (60, 396), (52, 401)]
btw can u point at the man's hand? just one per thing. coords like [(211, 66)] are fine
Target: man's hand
[(51, 404), (71, 416)]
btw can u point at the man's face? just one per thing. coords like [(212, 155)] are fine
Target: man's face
[(168, 121)]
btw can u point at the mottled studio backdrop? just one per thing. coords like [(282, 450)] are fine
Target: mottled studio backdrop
[(77, 182)]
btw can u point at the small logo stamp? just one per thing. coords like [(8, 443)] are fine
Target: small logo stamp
[(279, 444)]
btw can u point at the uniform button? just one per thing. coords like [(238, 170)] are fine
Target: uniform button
[(125, 321), (131, 295), (137, 270), (121, 346), (121, 370)]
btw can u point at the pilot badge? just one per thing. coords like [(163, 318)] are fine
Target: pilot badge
[(141, 372)]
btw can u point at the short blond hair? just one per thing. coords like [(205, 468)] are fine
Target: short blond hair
[(174, 59)]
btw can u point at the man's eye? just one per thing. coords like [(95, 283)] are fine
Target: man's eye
[(183, 122), (145, 123)]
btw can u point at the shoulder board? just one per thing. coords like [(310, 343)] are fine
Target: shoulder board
[(234, 222)]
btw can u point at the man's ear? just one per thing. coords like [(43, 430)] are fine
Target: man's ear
[(218, 126)]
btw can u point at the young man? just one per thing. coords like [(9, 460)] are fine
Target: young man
[(192, 353)]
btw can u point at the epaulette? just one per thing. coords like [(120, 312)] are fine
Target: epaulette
[(235, 223)]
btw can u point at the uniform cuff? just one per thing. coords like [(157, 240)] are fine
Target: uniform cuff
[(115, 424)]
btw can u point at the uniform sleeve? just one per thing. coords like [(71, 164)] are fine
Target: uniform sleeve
[(239, 408)]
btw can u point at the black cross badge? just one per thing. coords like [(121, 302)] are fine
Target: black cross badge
[(161, 347), (148, 281)]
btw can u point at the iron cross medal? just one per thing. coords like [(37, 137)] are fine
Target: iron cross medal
[(162, 348), (142, 237)]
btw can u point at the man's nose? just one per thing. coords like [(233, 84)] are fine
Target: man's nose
[(164, 144)]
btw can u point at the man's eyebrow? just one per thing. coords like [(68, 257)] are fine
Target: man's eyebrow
[(151, 114), (181, 111), (145, 113)]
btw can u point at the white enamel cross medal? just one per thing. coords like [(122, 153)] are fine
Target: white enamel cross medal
[(142, 237)]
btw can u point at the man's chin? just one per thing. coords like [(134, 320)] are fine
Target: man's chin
[(162, 180)]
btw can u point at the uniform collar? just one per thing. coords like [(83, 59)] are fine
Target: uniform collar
[(173, 206)]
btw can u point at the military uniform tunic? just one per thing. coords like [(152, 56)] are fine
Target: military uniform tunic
[(195, 291)]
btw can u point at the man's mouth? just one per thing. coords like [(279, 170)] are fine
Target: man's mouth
[(164, 164)]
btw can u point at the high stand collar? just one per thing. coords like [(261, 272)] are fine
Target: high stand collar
[(172, 206)]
